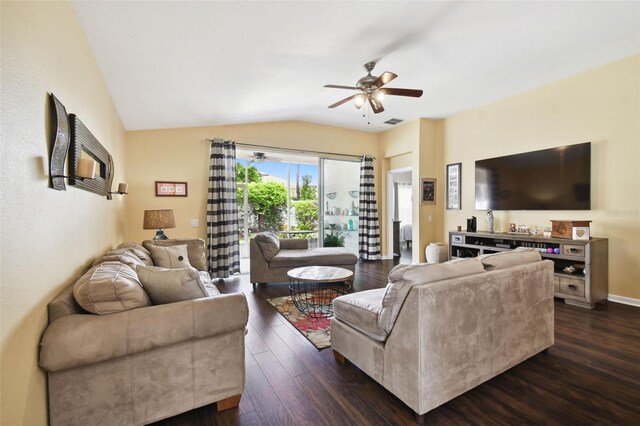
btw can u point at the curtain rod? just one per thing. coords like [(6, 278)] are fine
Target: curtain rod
[(295, 151)]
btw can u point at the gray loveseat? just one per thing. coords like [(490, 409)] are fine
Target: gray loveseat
[(437, 331), (272, 257), (137, 363)]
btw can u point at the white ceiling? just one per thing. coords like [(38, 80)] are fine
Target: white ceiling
[(181, 64)]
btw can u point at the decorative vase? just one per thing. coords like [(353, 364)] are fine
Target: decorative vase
[(436, 253)]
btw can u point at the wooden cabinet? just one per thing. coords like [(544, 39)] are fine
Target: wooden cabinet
[(586, 286)]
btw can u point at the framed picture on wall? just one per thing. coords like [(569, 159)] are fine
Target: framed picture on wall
[(428, 188), (454, 173), (171, 189)]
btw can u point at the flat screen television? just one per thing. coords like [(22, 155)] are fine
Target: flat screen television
[(550, 179)]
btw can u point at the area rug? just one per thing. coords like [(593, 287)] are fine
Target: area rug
[(316, 330)]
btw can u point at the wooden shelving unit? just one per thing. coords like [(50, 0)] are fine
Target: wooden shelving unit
[(585, 287)]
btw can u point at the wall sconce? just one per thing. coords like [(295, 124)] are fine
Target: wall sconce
[(122, 190), (158, 219), (86, 170)]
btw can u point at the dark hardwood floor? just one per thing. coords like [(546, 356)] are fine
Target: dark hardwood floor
[(590, 376)]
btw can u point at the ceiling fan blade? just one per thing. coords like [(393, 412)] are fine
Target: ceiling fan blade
[(383, 79), (336, 86), (343, 101), (413, 93), (376, 106)]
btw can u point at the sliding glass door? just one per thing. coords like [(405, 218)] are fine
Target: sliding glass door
[(340, 182), (298, 196), (277, 192)]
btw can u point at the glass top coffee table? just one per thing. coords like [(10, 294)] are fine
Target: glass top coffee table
[(313, 288)]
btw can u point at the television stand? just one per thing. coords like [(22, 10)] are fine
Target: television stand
[(586, 286)]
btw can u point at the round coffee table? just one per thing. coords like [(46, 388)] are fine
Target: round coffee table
[(313, 288)]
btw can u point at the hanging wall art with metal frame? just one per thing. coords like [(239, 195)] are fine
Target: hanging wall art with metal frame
[(60, 145), (82, 141)]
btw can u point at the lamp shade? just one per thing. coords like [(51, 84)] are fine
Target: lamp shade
[(159, 219)]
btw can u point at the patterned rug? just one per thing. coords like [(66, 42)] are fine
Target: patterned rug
[(317, 330)]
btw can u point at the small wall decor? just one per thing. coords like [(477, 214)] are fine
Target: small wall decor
[(428, 186), (171, 189), (60, 145), (454, 173)]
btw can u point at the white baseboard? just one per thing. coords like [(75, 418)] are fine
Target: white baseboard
[(624, 300)]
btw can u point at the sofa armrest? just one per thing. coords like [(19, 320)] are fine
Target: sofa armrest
[(294, 244), (76, 340)]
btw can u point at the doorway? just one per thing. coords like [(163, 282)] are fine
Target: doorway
[(400, 207)]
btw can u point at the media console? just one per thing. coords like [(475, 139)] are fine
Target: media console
[(584, 287)]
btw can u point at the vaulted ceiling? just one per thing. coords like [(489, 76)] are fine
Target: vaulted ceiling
[(182, 64)]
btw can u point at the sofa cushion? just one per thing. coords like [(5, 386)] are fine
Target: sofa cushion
[(403, 277), (507, 259), (175, 285), (108, 288), (195, 249), (361, 311), (171, 257), (138, 250), (126, 256), (325, 256), (269, 244)]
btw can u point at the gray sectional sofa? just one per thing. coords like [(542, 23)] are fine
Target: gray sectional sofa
[(273, 257), (438, 330), (113, 357)]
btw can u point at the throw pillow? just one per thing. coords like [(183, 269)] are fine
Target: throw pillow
[(269, 244), (108, 288), (138, 250), (172, 257), (195, 249), (128, 258), (175, 285)]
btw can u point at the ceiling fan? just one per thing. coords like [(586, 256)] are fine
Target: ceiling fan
[(260, 157), (370, 89)]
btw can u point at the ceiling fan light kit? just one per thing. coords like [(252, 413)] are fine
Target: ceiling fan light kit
[(370, 89)]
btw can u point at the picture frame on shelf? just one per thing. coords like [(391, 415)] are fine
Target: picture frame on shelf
[(454, 184), (171, 189), (580, 233), (428, 190)]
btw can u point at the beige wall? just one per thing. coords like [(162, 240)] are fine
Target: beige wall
[(418, 144), (48, 237), (183, 155), (601, 106)]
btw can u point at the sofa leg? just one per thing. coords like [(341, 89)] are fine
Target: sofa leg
[(227, 403), (339, 357), (419, 418)]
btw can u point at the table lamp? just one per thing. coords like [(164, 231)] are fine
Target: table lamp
[(159, 219)]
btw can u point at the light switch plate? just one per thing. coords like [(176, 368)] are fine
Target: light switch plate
[(195, 223)]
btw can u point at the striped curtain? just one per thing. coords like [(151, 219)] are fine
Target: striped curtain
[(223, 238), (369, 228)]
